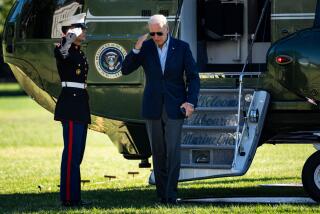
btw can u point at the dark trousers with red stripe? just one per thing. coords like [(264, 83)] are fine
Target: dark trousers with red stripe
[(74, 136)]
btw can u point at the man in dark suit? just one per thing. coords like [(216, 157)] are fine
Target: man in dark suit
[(172, 84)]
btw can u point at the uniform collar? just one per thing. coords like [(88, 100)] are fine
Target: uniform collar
[(76, 47)]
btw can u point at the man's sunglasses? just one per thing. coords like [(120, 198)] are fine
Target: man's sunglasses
[(154, 33)]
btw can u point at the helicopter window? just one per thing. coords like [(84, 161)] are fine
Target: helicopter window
[(132, 7), (15, 11), (145, 12), (220, 18), (37, 18)]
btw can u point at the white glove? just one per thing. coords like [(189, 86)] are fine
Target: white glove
[(76, 31)]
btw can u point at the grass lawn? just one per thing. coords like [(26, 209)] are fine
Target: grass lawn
[(30, 151)]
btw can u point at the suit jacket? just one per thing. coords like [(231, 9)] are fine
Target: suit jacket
[(180, 82)]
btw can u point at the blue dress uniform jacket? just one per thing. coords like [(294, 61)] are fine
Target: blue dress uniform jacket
[(72, 109), (169, 88), (73, 103)]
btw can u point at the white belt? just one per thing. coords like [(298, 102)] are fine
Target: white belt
[(74, 85)]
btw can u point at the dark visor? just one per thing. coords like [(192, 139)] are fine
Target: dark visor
[(81, 25)]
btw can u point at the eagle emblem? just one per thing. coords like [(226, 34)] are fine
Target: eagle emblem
[(108, 60), (111, 60)]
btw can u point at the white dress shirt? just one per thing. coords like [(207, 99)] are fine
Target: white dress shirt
[(162, 53)]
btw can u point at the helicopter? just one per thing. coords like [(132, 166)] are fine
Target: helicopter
[(259, 63)]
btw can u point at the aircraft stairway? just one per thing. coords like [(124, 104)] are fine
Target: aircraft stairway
[(209, 135), (213, 142)]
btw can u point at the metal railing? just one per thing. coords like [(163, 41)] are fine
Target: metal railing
[(242, 74)]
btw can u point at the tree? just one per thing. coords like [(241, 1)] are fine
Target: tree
[(5, 6)]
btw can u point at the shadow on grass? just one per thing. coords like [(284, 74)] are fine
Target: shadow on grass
[(136, 198), (14, 93), (242, 180)]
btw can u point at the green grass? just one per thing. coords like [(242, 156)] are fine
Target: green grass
[(30, 152), (9, 87)]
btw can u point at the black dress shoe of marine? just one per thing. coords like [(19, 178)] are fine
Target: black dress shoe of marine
[(161, 201), (66, 203), (80, 203)]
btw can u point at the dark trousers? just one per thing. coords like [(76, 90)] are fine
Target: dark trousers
[(74, 136), (165, 136)]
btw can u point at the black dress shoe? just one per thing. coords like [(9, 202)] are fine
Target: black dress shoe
[(172, 201)]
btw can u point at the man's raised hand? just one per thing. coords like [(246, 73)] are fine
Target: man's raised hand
[(140, 41)]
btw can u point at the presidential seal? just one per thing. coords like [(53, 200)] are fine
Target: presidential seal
[(108, 60)]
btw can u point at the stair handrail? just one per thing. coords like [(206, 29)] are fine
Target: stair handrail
[(177, 19), (237, 144)]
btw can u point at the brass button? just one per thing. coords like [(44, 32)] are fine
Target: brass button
[(79, 65), (78, 71)]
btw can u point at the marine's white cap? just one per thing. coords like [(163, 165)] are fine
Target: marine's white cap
[(73, 20)]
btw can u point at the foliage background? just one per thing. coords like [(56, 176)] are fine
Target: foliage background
[(5, 6)]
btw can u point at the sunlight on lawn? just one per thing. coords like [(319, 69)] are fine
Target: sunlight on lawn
[(30, 152)]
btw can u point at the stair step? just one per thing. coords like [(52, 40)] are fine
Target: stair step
[(227, 128), (220, 97), (206, 118), (206, 158), (207, 166), (216, 109), (224, 90), (215, 101), (200, 138), (186, 146)]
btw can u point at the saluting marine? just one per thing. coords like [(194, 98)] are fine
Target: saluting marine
[(72, 107)]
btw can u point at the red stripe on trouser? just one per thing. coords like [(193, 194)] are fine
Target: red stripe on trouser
[(69, 160)]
